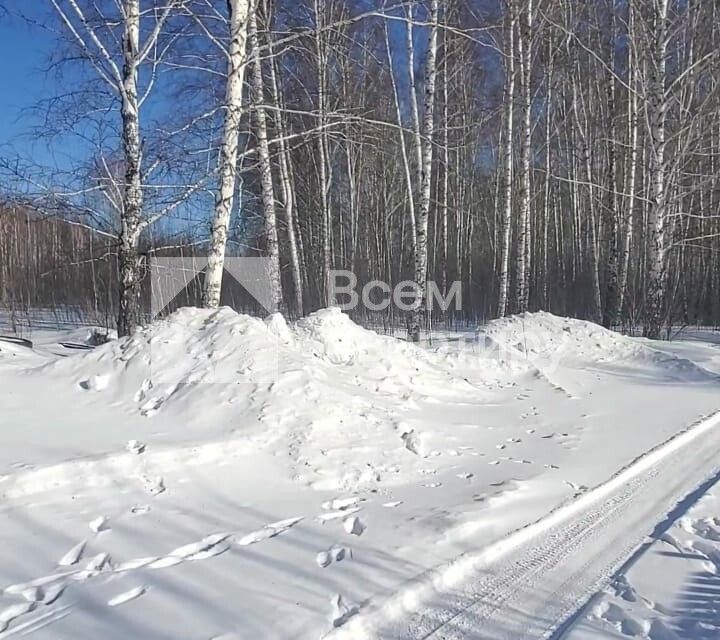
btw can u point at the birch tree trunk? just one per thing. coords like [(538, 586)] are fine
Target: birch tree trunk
[(506, 217), (632, 165), (266, 181), (521, 265), (131, 215), (401, 138), (323, 152), (225, 195), (413, 95), (656, 106), (611, 309), (421, 251), (286, 188)]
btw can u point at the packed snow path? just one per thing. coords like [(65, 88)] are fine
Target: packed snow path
[(527, 585)]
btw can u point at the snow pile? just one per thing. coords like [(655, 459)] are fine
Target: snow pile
[(547, 341), (195, 359), (341, 404)]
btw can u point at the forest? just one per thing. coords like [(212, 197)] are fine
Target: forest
[(559, 155)]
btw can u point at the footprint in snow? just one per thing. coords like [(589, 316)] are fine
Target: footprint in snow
[(93, 567), (341, 610), (135, 446), (337, 515), (392, 505), (412, 441), (98, 524), (208, 547), (154, 486), (334, 554), (354, 526), (269, 531), (14, 611), (341, 504), (126, 596), (578, 488), (73, 556)]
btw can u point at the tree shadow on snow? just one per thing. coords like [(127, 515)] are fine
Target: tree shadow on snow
[(697, 613)]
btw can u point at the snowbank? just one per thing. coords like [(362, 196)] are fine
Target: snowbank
[(547, 340), (342, 404)]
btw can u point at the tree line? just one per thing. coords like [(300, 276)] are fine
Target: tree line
[(548, 154)]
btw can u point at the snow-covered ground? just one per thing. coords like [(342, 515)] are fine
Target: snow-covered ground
[(669, 589), (218, 476)]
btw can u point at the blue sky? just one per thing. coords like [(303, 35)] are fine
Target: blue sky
[(23, 55)]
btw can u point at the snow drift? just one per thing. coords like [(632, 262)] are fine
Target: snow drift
[(546, 340), (342, 403)]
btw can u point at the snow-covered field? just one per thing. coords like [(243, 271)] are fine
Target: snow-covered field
[(218, 476)]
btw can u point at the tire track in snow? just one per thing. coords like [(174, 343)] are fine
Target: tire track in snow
[(528, 583)]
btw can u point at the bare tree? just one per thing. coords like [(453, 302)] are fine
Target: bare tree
[(239, 11)]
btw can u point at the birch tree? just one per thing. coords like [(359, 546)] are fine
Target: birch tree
[(266, 180), (227, 161), (506, 218), (117, 58), (421, 247), (656, 112), (521, 260)]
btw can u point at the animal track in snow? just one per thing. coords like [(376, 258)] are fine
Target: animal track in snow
[(270, 531), (354, 526), (135, 446), (341, 610), (342, 504), (122, 598), (578, 488), (154, 486), (14, 611), (334, 554), (337, 515), (98, 524), (73, 556)]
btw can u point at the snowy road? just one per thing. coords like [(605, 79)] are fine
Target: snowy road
[(528, 584)]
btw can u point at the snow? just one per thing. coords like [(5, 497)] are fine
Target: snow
[(218, 475), (668, 588)]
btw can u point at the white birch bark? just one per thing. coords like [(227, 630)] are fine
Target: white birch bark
[(421, 250), (128, 260), (504, 279), (286, 188), (413, 95), (266, 181), (656, 106), (521, 260), (632, 165), (227, 162), (124, 82), (403, 149)]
